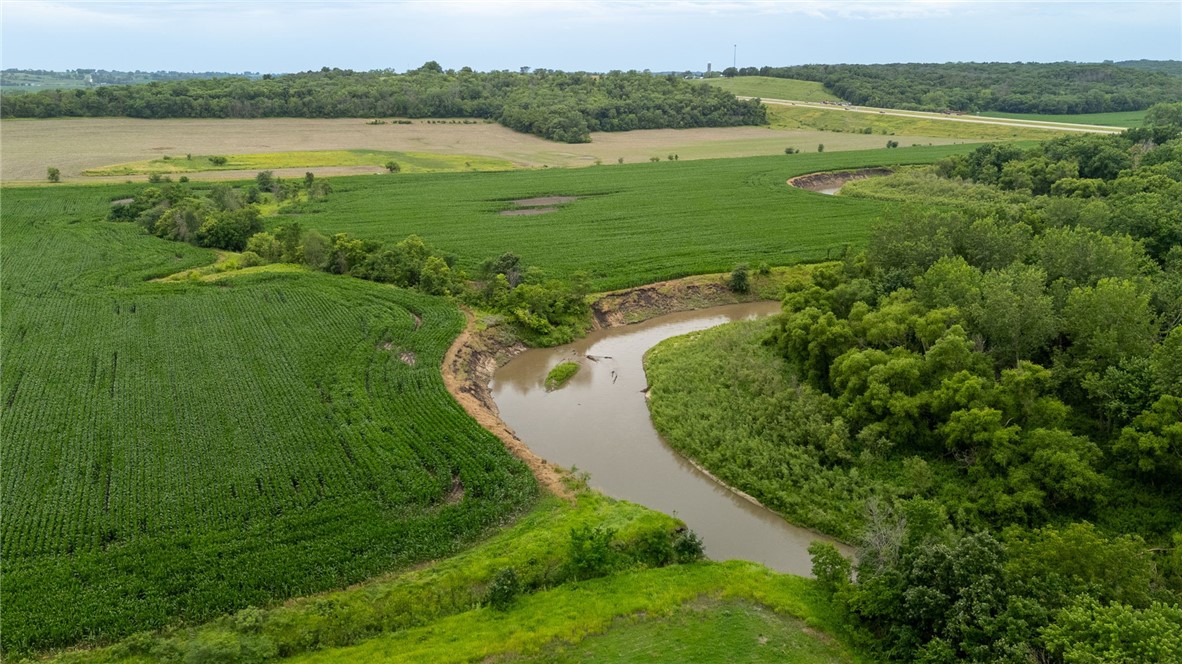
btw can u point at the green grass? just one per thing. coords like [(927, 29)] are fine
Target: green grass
[(633, 223), (409, 162), (702, 631), (546, 623), (840, 120), (766, 87), (727, 401), (561, 373), (1118, 119), (178, 450)]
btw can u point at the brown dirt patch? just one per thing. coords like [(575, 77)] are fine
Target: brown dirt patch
[(408, 358), (123, 201), (528, 211), (545, 200), (831, 180), (456, 493), (467, 369)]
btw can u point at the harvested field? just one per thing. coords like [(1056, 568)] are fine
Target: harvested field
[(77, 144)]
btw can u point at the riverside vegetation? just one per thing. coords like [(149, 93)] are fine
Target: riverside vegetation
[(988, 399)]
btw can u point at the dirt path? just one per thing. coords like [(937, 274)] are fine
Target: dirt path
[(973, 119)]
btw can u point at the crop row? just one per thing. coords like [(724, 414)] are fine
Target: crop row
[(177, 450)]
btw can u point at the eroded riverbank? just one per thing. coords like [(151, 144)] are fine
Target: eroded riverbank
[(599, 424)]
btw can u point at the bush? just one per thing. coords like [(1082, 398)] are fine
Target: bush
[(249, 259), (393, 166), (687, 547), (53, 174), (591, 554), (821, 147), (739, 281), (218, 161), (504, 589)]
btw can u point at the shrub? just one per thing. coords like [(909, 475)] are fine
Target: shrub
[(821, 147), (591, 554), (53, 174), (218, 161), (687, 547), (393, 166), (504, 589), (739, 281)]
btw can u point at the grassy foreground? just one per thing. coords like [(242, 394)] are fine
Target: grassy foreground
[(408, 162), (634, 610), (439, 613)]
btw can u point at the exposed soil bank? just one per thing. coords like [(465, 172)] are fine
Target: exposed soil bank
[(475, 356), (828, 183)]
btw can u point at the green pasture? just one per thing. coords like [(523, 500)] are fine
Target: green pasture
[(176, 450), (408, 162), (1118, 119), (766, 87), (632, 223)]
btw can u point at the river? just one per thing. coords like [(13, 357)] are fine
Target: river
[(599, 423)]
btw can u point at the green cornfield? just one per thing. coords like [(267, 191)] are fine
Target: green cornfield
[(631, 224), (173, 451)]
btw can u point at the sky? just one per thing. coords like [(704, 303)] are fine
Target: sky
[(590, 35)]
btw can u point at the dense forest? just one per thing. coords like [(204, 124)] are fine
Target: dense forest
[(1052, 88), (1000, 381), (556, 105)]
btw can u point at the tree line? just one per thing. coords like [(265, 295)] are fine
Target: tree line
[(1025, 358), (1049, 88), (545, 311), (556, 105)]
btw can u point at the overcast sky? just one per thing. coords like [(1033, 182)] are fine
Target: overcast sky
[(591, 35)]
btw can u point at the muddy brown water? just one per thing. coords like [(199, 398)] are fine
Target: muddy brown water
[(599, 423)]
